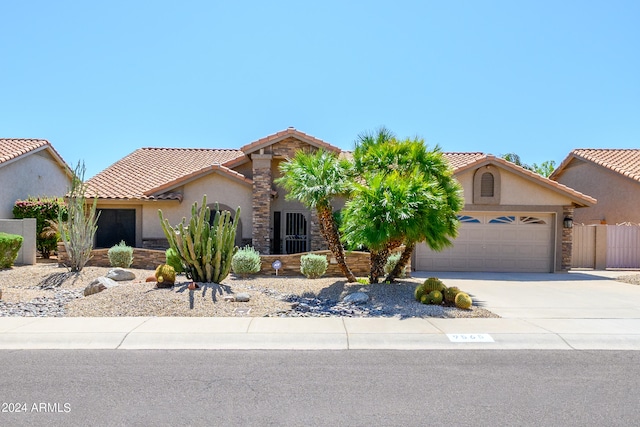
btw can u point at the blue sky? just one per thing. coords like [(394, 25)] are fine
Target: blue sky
[(539, 78)]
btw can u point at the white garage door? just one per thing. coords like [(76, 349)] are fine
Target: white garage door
[(495, 242)]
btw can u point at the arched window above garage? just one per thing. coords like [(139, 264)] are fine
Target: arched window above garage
[(486, 186)]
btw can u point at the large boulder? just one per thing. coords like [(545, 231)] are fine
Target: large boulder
[(119, 274), (98, 285), (356, 298)]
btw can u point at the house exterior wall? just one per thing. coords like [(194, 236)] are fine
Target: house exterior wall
[(37, 174), (618, 197)]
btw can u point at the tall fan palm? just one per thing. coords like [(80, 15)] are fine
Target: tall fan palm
[(315, 179)]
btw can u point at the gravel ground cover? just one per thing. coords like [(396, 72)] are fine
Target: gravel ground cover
[(48, 290)]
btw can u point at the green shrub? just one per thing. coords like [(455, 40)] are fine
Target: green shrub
[(173, 259), (9, 246), (463, 301), (45, 211), (391, 264), (120, 255), (313, 265), (246, 261)]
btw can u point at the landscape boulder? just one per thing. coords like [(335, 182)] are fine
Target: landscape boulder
[(120, 274), (356, 298), (98, 285)]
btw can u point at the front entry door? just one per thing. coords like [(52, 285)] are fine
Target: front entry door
[(295, 237)]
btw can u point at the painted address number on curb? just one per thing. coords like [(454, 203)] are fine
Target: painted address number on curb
[(470, 338)]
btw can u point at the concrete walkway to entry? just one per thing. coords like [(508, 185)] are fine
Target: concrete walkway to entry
[(577, 310)]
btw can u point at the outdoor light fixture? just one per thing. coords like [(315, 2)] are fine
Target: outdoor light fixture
[(568, 222)]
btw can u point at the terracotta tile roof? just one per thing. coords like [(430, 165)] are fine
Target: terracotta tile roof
[(279, 136), (460, 160), (625, 161), (11, 149), (150, 170)]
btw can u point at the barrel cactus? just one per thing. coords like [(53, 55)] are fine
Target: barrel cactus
[(420, 291), (450, 294), (425, 299), (463, 301), (205, 247), (434, 284), (165, 276), (436, 297)]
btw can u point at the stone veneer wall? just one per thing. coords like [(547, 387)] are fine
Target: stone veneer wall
[(567, 238), (149, 259)]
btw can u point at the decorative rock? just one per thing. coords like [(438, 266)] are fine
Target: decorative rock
[(150, 279), (120, 274), (242, 297), (229, 298), (356, 298), (98, 285)]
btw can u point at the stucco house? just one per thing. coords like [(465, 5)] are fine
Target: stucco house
[(610, 175), (30, 167), (512, 221)]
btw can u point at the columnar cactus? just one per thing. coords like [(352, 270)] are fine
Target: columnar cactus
[(206, 250)]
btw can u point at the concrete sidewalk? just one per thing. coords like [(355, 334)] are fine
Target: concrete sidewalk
[(573, 311)]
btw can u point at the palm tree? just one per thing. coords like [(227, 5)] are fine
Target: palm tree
[(405, 194), (315, 179)]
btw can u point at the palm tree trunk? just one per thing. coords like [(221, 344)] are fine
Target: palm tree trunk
[(402, 262), (329, 230), (378, 260)]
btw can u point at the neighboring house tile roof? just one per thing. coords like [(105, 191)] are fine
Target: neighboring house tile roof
[(13, 148), (623, 161), (148, 171)]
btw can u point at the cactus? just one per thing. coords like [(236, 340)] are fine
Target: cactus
[(434, 284), (425, 299), (463, 301), (165, 276), (420, 292), (436, 297), (450, 294), (205, 250)]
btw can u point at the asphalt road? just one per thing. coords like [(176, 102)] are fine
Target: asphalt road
[(319, 388)]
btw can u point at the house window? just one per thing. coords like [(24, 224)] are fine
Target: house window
[(486, 186)]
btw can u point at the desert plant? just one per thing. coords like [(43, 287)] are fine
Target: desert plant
[(425, 299), (173, 259), (436, 297), (313, 265), (45, 211), (205, 249), (165, 276), (420, 291), (390, 265), (450, 294), (9, 246), (79, 229), (434, 284), (246, 261), (120, 255), (463, 301)]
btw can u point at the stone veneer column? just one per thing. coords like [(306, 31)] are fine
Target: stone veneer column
[(318, 243), (261, 239), (567, 238)]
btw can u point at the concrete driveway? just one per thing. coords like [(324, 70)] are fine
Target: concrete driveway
[(573, 295)]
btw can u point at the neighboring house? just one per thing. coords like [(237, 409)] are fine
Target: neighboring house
[(513, 218), (610, 175), (30, 167)]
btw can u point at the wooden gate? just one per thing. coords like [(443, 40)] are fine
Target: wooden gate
[(584, 247), (623, 246), (606, 246)]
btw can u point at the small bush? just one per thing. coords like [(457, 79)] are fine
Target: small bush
[(10, 244), (120, 255), (173, 259), (246, 261), (391, 264), (313, 266), (45, 211)]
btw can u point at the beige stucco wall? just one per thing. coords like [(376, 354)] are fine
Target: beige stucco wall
[(618, 197), (217, 187), (37, 174), (515, 190)]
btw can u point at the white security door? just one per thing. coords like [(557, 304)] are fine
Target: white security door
[(499, 242)]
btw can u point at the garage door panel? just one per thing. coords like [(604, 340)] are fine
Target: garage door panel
[(509, 246)]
